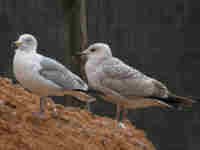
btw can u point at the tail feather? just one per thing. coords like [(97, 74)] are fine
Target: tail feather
[(177, 101), (182, 101)]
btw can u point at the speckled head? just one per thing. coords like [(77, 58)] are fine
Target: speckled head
[(97, 51), (26, 42)]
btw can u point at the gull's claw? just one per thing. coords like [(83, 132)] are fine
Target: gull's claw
[(39, 115), (54, 113), (121, 125)]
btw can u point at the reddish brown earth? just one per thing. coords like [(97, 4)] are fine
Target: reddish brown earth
[(74, 129)]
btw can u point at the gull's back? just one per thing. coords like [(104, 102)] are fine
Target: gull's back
[(114, 74)]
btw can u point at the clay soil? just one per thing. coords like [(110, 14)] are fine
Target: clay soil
[(73, 129)]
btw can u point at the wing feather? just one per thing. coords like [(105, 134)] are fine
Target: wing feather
[(59, 74), (124, 79)]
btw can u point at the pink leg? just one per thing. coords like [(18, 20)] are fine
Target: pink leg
[(118, 112), (43, 102), (124, 115)]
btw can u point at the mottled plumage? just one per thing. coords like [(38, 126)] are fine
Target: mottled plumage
[(124, 79), (123, 84)]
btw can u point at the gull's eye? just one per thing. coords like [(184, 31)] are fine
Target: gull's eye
[(93, 50), (28, 40)]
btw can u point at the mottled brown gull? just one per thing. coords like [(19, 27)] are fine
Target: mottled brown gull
[(124, 85)]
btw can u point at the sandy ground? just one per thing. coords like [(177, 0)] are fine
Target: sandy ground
[(74, 129)]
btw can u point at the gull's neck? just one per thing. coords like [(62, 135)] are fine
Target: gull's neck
[(93, 63), (96, 60), (26, 50)]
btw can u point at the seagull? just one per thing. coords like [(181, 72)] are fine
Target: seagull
[(45, 76), (124, 85)]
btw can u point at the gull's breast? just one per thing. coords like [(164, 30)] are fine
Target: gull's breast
[(26, 69)]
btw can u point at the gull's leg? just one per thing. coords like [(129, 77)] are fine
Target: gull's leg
[(43, 102), (120, 124), (54, 115), (118, 112), (124, 114)]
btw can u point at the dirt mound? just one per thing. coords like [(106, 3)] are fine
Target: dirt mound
[(74, 129)]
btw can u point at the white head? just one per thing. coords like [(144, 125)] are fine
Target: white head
[(27, 42), (97, 51)]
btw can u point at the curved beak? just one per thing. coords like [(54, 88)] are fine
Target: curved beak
[(17, 43)]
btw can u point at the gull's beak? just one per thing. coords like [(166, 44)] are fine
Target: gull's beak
[(17, 43), (81, 53)]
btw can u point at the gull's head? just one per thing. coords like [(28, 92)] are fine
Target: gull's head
[(97, 51), (26, 42)]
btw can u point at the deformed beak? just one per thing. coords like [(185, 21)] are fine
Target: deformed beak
[(17, 43)]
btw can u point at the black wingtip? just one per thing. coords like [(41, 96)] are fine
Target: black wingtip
[(80, 90), (173, 103), (195, 99)]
